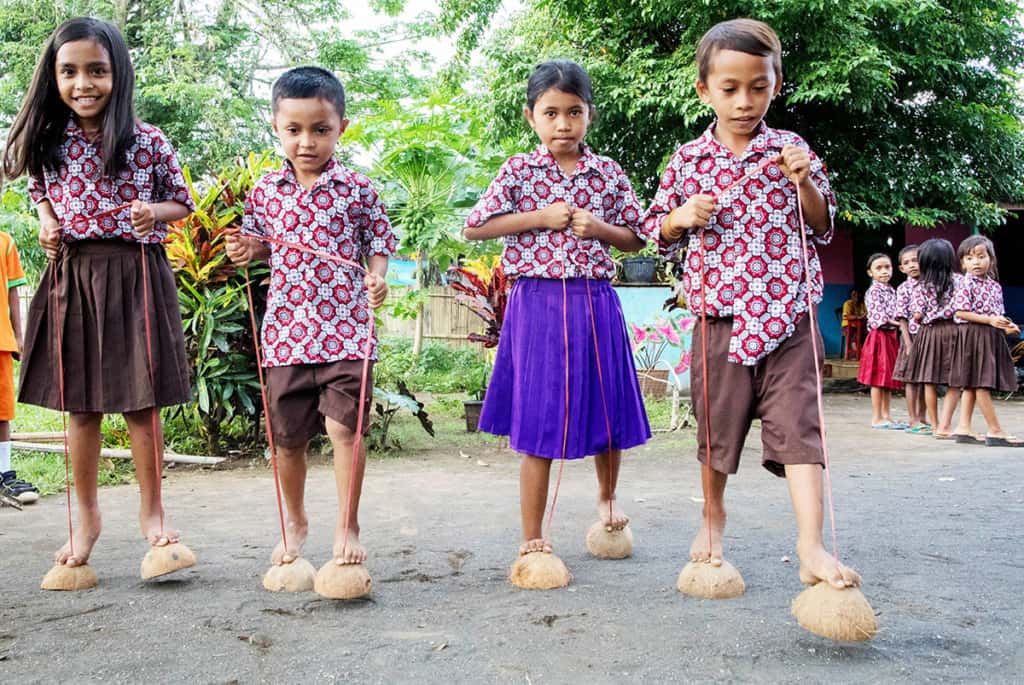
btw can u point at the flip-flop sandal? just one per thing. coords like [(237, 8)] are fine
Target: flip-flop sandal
[(899, 426), (920, 430), (883, 426), (1008, 441), (944, 436), (965, 439)]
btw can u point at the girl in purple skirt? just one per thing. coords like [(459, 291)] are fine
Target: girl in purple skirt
[(557, 210)]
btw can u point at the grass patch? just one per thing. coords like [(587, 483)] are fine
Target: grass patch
[(46, 470)]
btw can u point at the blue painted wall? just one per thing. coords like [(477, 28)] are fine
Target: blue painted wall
[(829, 324), (643, 305)]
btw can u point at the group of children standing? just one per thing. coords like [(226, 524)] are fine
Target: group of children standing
[(945, 326), (564, 386)]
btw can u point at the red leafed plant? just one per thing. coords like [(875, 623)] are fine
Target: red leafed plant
[(481, 285)]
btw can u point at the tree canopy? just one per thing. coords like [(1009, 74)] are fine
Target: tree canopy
[(914, 104)]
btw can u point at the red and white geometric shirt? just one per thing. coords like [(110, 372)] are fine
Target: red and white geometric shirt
[(754, 264), (317, 310), (528, 182), (881, 303), (933, 308), (909, 303), (79, 190), (979, 295)]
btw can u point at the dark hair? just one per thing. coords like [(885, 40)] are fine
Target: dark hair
[(973, 241), (309, 82), (875, 257), (938, 263), (560, 74), (35, 138), (743, 35), (906, 248)]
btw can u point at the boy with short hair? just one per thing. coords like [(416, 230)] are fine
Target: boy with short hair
[(11, 278), (317, 320), (758, 328)]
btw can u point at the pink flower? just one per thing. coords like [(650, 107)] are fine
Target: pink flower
[(639, 334), (686, 324), (684, 363), (668, 332), (653, 337)]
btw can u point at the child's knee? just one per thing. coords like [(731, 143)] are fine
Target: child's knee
[(339, 434)]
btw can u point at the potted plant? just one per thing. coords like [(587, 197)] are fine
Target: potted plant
[(481, 285), (641, 267), (652, 343)]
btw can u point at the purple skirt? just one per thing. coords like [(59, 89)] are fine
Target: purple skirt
[(526, 396)]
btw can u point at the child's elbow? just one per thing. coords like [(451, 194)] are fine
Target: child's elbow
[(472, 232)]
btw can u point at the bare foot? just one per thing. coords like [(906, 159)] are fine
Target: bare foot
[(707, 546), (85, 535), (157, 535), (612, 517), (350, 550), (297, 532), (535, 545), (817, 565)]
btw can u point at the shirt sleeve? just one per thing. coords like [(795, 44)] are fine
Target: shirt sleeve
[(168, 178), (377, 239), (37, 189), (819, 177), (15, 273), (670, 195), (627, 211), (902, 303), (963, 298), (252, 216), (501, 197)]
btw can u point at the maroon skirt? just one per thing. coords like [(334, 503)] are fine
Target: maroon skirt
[(931, 357), (878, 359), (899, 371), (99, 309), (982, 359)]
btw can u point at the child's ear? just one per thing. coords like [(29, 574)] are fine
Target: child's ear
[(702, 92), (528, 115), (778, 87), (344, 125)]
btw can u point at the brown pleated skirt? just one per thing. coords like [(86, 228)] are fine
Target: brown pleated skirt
[(899, 371), (931, 357), (99, 307), (982, 359)]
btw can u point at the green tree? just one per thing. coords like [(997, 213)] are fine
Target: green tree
[(914, 104)]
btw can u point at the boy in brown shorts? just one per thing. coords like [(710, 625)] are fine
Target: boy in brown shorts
[(317, 320), (13, 489), (758, 329)]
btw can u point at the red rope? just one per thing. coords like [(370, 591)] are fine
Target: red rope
[(604, 401), (705, 478), (565, 423), (158, 442), (266, 410), (55, 291)]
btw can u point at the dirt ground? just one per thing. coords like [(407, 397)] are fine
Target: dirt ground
[(934, 527)]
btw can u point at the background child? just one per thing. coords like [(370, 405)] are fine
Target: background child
[(908, 314), (853, 310), (931, 357), (11, 278), (982, 361), (758, 329), (316, 325), (881, 346), (558, 209), (77, 137)]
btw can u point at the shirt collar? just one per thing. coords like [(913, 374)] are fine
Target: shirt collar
[(331, 173), (542, 157), (766, 141)]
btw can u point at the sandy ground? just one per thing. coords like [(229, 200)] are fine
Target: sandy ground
[(934, 528)]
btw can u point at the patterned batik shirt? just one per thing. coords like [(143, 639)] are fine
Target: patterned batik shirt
[(979, 295), (529, 182), (909, 303), (881, 302), (754, 269), (79, 190), (933, 308), (317, 310)]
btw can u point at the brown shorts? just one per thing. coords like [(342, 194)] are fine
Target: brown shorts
[(779, 390), (300, 395)]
